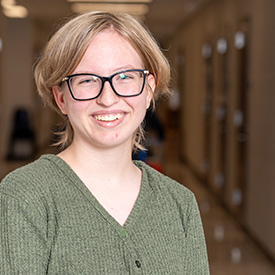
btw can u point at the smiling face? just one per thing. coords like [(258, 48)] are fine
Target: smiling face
[(108, 120)]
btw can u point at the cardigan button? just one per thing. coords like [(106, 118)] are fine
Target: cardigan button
[(138, 264)]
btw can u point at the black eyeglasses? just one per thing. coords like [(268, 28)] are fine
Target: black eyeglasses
[(127, 83)]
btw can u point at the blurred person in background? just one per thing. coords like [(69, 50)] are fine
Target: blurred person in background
[(91, 209)]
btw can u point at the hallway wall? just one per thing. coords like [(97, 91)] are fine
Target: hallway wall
[(23, 40), (16, 86), (260, 214), (227, 107)]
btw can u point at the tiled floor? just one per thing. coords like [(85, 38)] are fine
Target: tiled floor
[(231, 251)]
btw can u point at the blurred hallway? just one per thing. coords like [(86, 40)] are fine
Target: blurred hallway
[(230, 249), (220, 125)]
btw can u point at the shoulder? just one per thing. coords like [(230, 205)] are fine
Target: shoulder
[(30, 179), (171, 189), (173, 197)]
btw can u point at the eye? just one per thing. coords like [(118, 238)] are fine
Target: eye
[(124, 76), (88, 79), (84, 80)]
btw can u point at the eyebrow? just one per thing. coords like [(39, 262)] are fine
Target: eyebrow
[(118, 69)]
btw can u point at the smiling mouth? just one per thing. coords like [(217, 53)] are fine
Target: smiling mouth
[(109, 117)]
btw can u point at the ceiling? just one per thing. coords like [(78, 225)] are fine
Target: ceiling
[(163, 17)]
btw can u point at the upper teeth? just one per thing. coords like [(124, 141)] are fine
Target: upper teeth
[(109, 117)]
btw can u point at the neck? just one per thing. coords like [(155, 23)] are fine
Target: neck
[(100, 165)]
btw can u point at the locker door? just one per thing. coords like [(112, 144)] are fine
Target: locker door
[(221, 121), (240, 121), (207, 106)]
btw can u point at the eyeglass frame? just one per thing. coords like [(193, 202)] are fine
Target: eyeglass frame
[(103, 80)]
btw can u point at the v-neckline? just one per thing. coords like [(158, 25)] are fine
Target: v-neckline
[(80, 185)]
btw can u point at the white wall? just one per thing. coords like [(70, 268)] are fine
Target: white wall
[(260, 216)]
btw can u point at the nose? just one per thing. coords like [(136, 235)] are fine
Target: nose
[(107, 96)]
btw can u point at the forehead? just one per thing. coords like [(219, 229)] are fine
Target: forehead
[(110, 49)]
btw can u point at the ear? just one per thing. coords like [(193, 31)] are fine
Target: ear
[(59, 99), (151, 82)]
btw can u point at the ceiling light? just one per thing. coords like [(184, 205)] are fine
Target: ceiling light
[(11, 9), (132, 8), (7, 3), (112, 1), (15, 12)]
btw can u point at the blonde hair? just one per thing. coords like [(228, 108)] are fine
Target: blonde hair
[(67, 46)]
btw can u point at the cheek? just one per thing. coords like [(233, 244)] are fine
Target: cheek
[(138, 104), (76, 110)]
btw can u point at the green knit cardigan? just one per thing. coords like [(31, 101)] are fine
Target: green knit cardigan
[(51, 223)]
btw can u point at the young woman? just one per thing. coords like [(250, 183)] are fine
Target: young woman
[(91, 209)]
